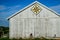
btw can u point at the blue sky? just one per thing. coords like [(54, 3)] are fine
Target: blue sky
[(9, 7)]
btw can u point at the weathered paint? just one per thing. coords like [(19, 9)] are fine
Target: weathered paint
[(45, 24)]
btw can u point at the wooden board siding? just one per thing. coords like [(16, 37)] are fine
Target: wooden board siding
[(45, 24)]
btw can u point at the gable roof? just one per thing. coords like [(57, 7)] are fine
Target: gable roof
[(30, 6)]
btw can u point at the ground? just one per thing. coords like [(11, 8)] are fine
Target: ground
[(28, 39)]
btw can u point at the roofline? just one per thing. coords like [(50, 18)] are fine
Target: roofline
[(31, 5), (22, 9)]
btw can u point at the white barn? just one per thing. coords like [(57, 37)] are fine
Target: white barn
[(35, 19)]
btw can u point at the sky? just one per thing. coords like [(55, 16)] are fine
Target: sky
[(9, 7)]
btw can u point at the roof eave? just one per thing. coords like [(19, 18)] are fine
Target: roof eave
[(31, 5)]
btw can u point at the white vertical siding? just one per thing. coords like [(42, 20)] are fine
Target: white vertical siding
[(45, 24), (14, 27), (58, 27)]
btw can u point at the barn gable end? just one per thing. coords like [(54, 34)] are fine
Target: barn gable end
[(46, 12), (35, 19)]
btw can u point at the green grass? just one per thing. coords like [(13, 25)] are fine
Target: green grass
[(4, 39), (26, 39)]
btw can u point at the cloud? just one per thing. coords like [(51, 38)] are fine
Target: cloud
[(2, 7), (6, 11), (56, 8), (11, 10)]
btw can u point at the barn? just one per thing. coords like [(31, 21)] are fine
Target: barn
[(36, 20)]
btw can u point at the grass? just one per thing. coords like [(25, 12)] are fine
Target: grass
[(4, 39), (26, 39)]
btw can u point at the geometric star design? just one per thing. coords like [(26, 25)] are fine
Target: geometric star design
[(36, 8)]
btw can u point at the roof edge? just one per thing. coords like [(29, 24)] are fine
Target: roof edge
[(21, 10), (31, 5)]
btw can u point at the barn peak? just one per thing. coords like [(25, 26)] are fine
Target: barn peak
[(38, 9)]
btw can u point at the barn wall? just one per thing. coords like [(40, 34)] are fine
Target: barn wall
[(46, 23), (58, 27), (14, 27), (46, 27)]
